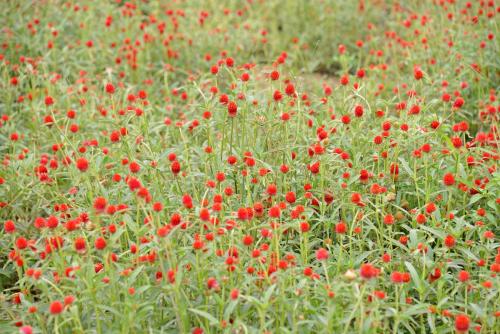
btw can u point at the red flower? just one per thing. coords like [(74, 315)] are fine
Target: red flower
[(187, 201), (100, 204), (340, 228), (157, 206), (9, 226), (322, 254), (358, 111), (21, 243), (68, 300), (271, 189), (49, 100), (462, 323), (345, 119), (212, 283), (344, 80), (175, 167), (394, 169), (204, 214), (245, 77), (290, 89), (80, 244), (110, 89), (463, 276), (277, 96), (356, 198), (232, 109), (234, 294), (26, 330), (417, 72), (459, 102), (448, 179), (290, 197), (274, 212), (434, 275), (134, 167), (229, 62), (389, 219), (56, 307), (368, 271), (82, 164), (398, 277), (100, 243), (52, 222), (449, 241), (247, 240), (314, 168)]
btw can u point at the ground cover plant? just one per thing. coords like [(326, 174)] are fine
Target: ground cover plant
[(249, 166)]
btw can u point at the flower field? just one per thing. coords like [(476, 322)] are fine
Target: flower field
[(249, 166)]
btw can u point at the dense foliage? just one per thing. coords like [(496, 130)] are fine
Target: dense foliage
[(249, 166)]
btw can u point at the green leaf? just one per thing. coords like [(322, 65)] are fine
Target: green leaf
[(478, 310), (205, 315), (415, 277), (268, 294), (230, 308), (475, 198)]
